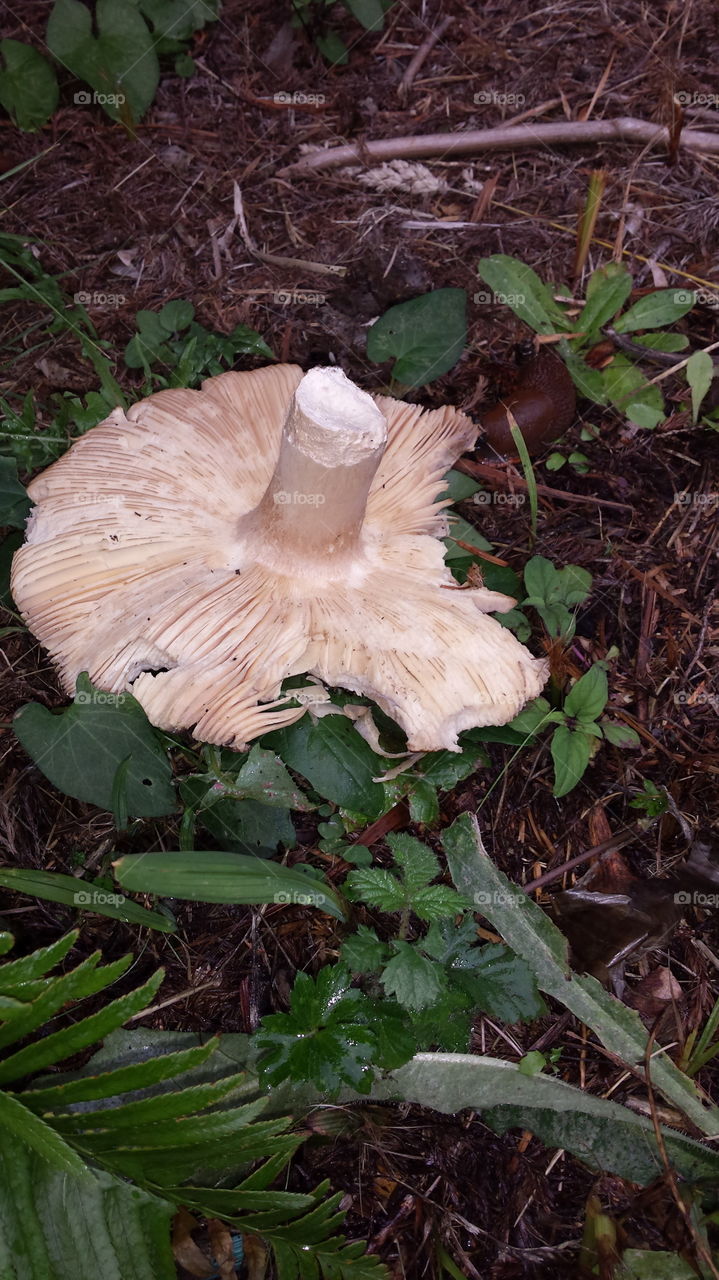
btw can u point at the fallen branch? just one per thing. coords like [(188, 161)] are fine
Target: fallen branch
[(560, 132)]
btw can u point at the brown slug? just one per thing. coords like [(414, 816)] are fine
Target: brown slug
[(541, 398)]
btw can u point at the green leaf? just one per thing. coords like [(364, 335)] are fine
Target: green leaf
[(535, 717), (458, 486), (588, 696), (176, 315), (423, 802), (655, 310), (517, 285), (414, 979), (28, 85), (625, 384), (620, 735), (369, 12), (322, 1039), (418, 863), (501, 983), (119, 63), (81, 749), (264, 778), (52, 886), (602, 1134), (336, 761), (377, 887), (217, 876), (333, 48), (426, 336), (62, 1044), (77, 1225), (643, 1264), (363, 951), (16, 1120), (700, 375), (555, 461), (589, 382), (532, 935), (607, 291), (14, 502), (644, 415), (174, 21), (571, 753)]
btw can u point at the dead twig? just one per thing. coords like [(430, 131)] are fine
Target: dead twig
[(421, 56), (556, 133)]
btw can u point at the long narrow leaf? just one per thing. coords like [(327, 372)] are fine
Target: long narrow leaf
[(83, 896), (532, 935), (224, 877), (62, 1044)]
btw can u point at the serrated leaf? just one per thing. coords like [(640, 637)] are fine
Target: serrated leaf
[(501, 984), (119, 62), (414, 979), (81, 749), (28, 85), (426, 336), (363, 951), (571, 752), (437, 902), (419, 864), (378, 887)]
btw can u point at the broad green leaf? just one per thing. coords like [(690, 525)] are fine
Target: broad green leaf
[(217, 876), (700, 375), (532, 935), (660, 341), (333, 48), (369, 12), (423, 802), (571, 752), (264, 778), (625, 384), (461, 531), (28, 85), (426, 336), (174, 21), (535, 717), (81, 749), (458, 486), (119, 63), (519, 287), (644, 415), (588, 697), (589, 382), (655, 310), (620, 735), (414, 979), (607, 291), (336, 761), (641, 1264), (72, 892), (14, 502), (604, 1135), (500, 983)]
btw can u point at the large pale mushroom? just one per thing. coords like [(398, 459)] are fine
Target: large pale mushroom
[(207, 545)]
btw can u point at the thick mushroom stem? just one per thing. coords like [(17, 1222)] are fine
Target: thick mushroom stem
[(333, 440)]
